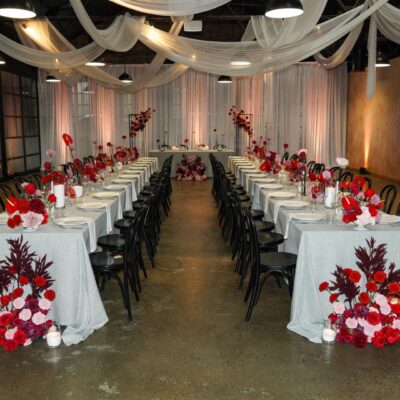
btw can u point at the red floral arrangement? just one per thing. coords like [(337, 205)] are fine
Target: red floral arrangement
[(30, 210), (25, 296), (370, 315), (140, 121), (241, 120), (69, 142)]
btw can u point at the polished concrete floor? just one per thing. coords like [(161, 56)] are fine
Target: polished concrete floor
[(189, 339)]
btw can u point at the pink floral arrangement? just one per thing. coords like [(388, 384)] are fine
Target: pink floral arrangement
[(140, 121), (25, 296), (370, 314), (191, 168), (241, 120)]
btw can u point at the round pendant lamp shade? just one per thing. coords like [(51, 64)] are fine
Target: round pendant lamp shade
[(125, 77), (240, 60), (2, 60), (17, 9), (382, 60), (98, 62), (52, 79), (224, 79), (284, 9)]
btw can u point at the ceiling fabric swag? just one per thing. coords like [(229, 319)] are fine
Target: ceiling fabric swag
[(171, 7)]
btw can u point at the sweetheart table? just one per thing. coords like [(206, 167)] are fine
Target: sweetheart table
[(78, 305)]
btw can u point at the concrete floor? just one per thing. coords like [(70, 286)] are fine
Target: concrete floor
[(189, 339)]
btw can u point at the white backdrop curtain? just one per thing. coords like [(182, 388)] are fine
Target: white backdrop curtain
[(304, 106)]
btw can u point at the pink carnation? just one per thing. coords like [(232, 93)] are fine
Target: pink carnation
[(25, 314), (38, 318), (18, 303), (9, 335), (44, 304), (339, 307), (28, 342), (351, 323)]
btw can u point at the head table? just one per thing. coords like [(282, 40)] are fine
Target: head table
[(222, 156), (319, 245), (78, 305)]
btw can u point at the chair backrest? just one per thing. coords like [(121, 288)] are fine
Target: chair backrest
[(285, 156), (398, 210), (5, 192), (388, 195), (346, 177)]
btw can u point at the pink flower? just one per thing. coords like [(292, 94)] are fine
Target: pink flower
[(338, 307), (381, 300), (50, 152), (351, 323), (327, 175), (28, 342), (31, 220), (375, 199), (25, 314), (38, 318), (370, 330), (18, 303), (396, 324), (44, 304), (9, 335)]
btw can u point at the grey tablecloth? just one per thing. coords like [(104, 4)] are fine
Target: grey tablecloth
[(220, 155)]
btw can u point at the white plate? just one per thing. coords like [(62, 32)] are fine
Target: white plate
[(106, 195), (309, 217), (3, 218), (295, 204), (272, 186), (389, 219), (264, 180), (70, 221), (91, 205), (114, 187), (283, 195), (124, 181)]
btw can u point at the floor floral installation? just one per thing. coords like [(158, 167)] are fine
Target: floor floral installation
[(191, 168)]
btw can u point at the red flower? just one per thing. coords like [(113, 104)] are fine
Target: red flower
[(100, 147), (379, 276), (40, 281), (67, 139), (109, 144), (30, 189), (17, 292), (37, 206), (360, 340), (10, 345), (372, 286), (11, 205), (373, 318), (323, 286), (47, 166), (285, 146), (333, 297), (23, 206), (50, 294), (52, 198), (5, 319), (124, 137), (369, 192), (364, 298), (394, 288), (19, 337), (5, 300), (354, 276), (23, 280)]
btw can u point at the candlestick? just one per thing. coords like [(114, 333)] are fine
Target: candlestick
[(328, 332)]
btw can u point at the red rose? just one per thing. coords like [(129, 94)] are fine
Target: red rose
[(379, 276), (5, 300), (50, 295), (364, 298), (10, 223), (19, 337), (23, 206), (394, 288), (30, 189), (378, 341), (17, 292), (323, 286), (373, 318), (11, 205), (23, 280), (40, 281), (10, 345), (372, 286), (47, 166), (333, 297), (67, 139), (37, 206), (17, 220), (354, 276), (5, 319), (52, 198), (285, 146)]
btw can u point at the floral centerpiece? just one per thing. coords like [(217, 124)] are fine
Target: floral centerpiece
[(241, 120), (370, 315), (69, 142), (191, 168), (30, 210), (25, 296), (140, 121)]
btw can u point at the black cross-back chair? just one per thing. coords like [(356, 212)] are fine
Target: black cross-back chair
[(5, 192), (388, 195), (346, 177)]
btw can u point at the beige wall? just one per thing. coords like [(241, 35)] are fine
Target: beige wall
[(373, 126)]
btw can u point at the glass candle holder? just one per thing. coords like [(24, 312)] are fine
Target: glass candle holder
[(328, 332)]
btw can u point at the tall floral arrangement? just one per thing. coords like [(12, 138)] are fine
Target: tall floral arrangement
[(369, 314), (140, 121), (241, 120), (69, 142), (25, 296)]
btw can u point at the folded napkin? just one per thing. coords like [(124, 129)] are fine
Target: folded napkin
[(92, 233)]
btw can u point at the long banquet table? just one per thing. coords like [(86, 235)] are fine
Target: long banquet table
[(319, 246), (222, 156), (78, 305)]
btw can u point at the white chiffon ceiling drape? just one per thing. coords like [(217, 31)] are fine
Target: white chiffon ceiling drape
[(194, 104)]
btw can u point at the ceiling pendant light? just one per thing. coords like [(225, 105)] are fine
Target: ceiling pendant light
[(17, 9), (224, 79), (87, 90), (240, 60), (382, 60), (2, 60), (125, 77), (284, 9), (52, 79), (98, 62)]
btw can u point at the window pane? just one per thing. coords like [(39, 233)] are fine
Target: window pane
[(32, 162), (12, 127), (11, 105), (31, 127), (29, 107), (32, 145), (9, 82), (28, 87), (14, 166), (14, 148)]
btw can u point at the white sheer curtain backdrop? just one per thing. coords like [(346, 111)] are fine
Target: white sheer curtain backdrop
[(304, 106)]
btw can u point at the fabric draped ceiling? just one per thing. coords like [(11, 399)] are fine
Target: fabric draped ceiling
[(194, 104)]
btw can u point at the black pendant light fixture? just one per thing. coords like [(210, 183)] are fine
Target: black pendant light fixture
[(98, 62), (284, 9), (17, 9), (382, 60), (52, 79), (224, 79), (125, 77), (2, 59)]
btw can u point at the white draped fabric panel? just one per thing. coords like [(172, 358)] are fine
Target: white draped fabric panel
[(291, 106)]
